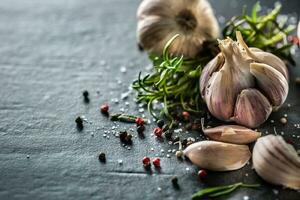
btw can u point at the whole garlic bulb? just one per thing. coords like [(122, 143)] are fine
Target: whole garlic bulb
[(276, 161), (160, 20), (243, 84)]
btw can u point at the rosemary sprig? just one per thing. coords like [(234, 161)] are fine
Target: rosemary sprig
[(175, 82), (265, 32), (221, 190)]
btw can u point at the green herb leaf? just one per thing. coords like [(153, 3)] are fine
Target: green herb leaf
[(221, 190)]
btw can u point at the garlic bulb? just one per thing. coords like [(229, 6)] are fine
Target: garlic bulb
[(276, 161), (160, 20), (243, 84), (232, 134), (218, 156)]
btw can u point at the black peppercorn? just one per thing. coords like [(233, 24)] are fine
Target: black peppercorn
[(174, 180), (168, 134), (86, 96), (122, 135), (125, 137), (160, 123), (140, 129), (79, 123), (85, 93), (184, 142), (102, 157)]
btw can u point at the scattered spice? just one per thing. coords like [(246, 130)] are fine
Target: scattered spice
[(158, 132), (160, 123), (102, 157), (174, 181), (283, 120), (168, 134), (202, 174), (126, 118), (79, 123), (156, 162), (139, 121), (186, 115), (146, 161), (86, 96), (104, 109), (140, 129), (125, 137)]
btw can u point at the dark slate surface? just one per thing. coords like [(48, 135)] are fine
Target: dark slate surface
[(53, 50)]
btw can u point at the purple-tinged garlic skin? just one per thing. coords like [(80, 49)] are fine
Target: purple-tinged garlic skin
[(160, 20), (277, 162), (218, 156), (252, 108), (243, 84)]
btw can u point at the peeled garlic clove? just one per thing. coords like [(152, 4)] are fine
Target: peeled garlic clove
[(218, 156), (160, 20), (272, 82), (264, 57), (252, 108), (232, 134), (276, 161), (210, 68)]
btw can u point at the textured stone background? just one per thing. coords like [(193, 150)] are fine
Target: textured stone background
[(52, 50)]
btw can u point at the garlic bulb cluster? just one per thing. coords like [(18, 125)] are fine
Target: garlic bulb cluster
[(276, 161), (160, 20), (218, 156), (243, 84)]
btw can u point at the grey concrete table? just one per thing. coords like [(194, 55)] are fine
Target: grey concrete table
[(52, 50)]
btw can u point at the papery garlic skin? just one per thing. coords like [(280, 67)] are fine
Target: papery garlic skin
[(160, 20), (243, 84), (218, 156), (276, 161)]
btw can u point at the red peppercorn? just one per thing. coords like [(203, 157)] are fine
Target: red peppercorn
[(186, 115), (293, 39), (202, 174), (146, 161), (104, 108), (139, 121), (156, 162), (158, 132)]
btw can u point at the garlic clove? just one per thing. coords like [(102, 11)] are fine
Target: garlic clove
[(263, 57), (218, 156), (252, 108), (231, 133), (273, 61), (272, 82), (276, 161), (210, 68)]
